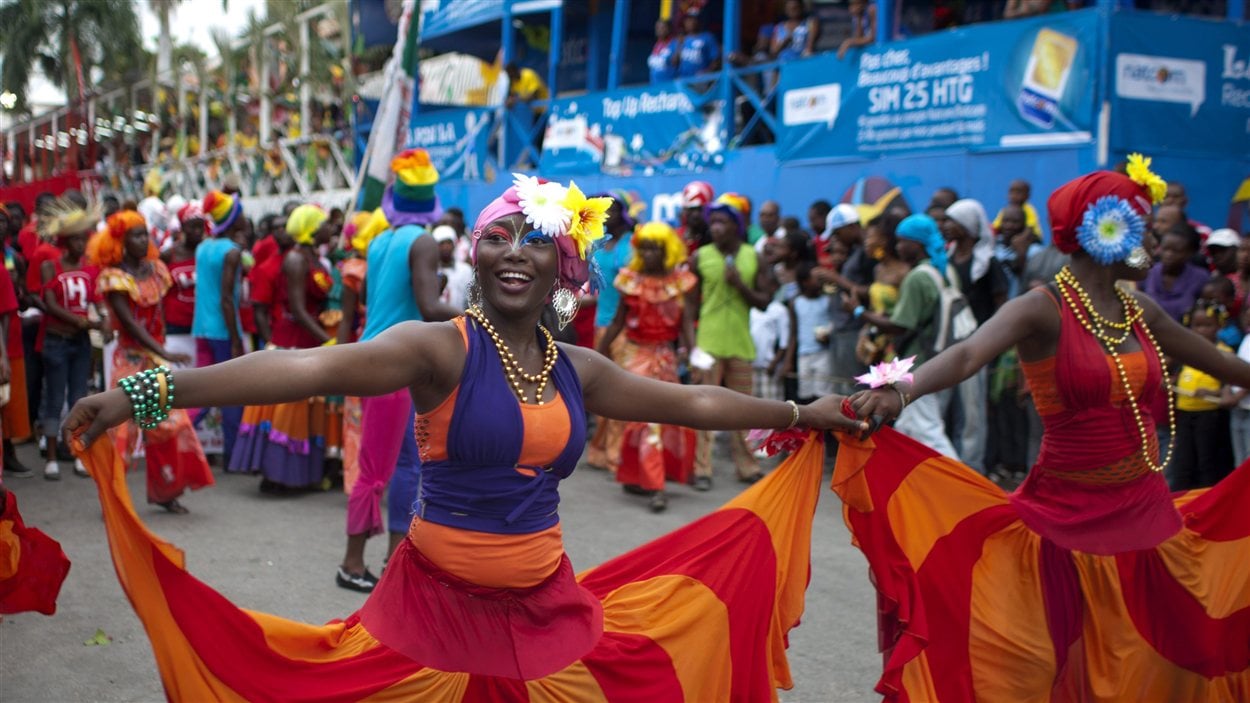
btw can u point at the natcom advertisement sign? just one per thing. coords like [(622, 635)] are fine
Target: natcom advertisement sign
[(1177, 82), (1011, 85)]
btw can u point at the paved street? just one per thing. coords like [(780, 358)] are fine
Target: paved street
[(279, 554)]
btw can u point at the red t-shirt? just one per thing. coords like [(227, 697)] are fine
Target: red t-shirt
[(41, 252), (266, 248), (263, 280), (8, 309), (73, 290), (27, 239), (180, 300)]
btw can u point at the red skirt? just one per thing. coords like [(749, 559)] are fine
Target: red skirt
[(976, 605)]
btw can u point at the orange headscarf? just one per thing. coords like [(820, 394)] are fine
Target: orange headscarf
[(110, 249)]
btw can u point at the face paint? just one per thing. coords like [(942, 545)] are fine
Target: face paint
[(506, 231)]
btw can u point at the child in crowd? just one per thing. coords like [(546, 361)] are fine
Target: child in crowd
[(770, 331), (1202, 454), (1238, 399), (1221, 290), (808, 351)]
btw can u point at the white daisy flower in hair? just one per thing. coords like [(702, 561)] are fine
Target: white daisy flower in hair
[(543, 204)]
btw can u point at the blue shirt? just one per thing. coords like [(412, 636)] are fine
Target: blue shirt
[(388, 281), (810, 313), (697, 53), (210, 259), (795, 42), (661, 61), (610, 262)]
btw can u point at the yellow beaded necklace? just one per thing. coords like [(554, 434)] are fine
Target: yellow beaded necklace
[(1095, 324), (512, 367)]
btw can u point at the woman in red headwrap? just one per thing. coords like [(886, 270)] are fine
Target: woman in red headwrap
[(1091, 581), (478, 601), (134, 282)]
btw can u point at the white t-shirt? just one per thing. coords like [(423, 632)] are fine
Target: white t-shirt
[(458, 276), (770, 330)]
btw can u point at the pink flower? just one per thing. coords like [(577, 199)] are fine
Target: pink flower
[(774, 442), (888, 373)]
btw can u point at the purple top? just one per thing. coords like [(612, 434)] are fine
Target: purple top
[(1185, 289), (477, 487)]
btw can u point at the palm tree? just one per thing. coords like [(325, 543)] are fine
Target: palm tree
[(64, 39)]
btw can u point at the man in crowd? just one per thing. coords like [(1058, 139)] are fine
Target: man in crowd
[(914, 324), (698, 51), (694, 229), (842, 224), (401, 284), (216, 328), (731, 282)]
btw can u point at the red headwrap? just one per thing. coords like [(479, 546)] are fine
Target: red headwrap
[(1068, 203), (112, 248)]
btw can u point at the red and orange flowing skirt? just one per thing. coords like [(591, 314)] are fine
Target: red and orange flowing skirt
[(976, 606), (681, 618)]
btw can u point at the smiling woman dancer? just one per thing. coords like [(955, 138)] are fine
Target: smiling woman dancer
[(1091, 582), (480, 602)]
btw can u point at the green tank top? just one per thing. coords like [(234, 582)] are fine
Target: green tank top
[(725, 316)]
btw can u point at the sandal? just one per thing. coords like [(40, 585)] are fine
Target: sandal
[(659, 502), (175, 507)]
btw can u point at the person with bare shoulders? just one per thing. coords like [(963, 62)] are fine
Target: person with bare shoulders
[(1087, 581), (480, 602)]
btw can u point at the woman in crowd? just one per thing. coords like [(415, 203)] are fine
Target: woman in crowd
[(656, 310), (1092, 581), (68, 293), (286, 442), (480, 602), (134, 281), (880, 243)]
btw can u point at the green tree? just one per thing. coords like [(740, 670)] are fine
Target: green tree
[(44, 34)]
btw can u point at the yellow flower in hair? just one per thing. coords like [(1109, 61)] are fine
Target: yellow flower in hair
[(1139, 171), (589, 215)]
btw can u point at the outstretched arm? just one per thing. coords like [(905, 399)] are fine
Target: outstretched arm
[(1030, 314), (411, 354), (615, 393), (1186, 347)]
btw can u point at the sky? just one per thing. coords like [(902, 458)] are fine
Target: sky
[(191, 22)]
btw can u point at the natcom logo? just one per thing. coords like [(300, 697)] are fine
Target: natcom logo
[(1161, 79)]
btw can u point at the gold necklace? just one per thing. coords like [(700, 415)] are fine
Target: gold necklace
[(1098, 322), (1132, 314), (512, 367)]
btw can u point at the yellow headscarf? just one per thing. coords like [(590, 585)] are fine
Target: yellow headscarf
[(371, 228), (304, 221)]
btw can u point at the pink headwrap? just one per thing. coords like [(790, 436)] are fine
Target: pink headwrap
[(572, 271)]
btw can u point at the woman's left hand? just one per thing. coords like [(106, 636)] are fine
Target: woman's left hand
[(826, 414), (877, 406)]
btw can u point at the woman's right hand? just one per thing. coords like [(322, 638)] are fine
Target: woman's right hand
[(96, 414)]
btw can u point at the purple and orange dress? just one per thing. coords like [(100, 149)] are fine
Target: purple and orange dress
[(1091, 582), (480, 602)]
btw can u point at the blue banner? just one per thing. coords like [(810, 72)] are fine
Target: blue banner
[(457, 15), (1179, 85), (636, 131), (457, 140), (1007, 85)]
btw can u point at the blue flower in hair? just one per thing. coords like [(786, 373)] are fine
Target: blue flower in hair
[(1110, 229)]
